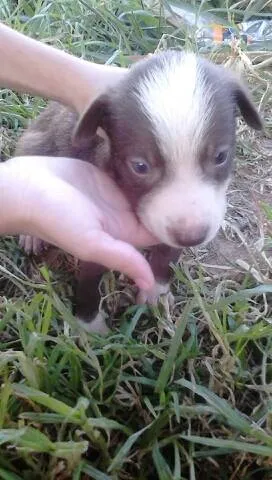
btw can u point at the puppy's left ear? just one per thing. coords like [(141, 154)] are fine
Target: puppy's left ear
[(94, 121), (246, 106)]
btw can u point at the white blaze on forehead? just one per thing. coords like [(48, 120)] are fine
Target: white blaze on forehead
[(176, 99), (174, 95)]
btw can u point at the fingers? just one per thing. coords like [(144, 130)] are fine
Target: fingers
[(127, 228), (54, 210), (65, 217), (120, 256), (99, 190)]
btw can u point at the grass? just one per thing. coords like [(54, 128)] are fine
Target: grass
[(181, 394)]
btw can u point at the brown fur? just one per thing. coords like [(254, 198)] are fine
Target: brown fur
[(51, 134)]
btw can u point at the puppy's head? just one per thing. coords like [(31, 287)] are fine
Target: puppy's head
[(170, 132)]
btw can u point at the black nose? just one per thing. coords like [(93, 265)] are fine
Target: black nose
[(189, 238)]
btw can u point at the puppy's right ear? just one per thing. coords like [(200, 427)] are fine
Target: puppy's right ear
[(94, 121)]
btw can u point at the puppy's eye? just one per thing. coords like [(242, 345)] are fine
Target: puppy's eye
[(221, 157), (140, 167)]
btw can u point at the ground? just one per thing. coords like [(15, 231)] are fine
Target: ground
[(182, 393)]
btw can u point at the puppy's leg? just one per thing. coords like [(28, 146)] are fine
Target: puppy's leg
[(88, 298), (160, 258), (32, 245)]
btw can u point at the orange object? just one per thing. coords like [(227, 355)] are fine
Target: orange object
[(218, 33)]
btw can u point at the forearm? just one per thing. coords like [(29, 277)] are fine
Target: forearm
[(30, 66)]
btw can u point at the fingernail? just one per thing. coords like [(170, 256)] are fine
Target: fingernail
[(143, 284)]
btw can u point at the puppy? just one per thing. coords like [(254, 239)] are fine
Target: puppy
[(166, 134)]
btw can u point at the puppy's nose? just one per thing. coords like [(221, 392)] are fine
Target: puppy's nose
[(189, 237)]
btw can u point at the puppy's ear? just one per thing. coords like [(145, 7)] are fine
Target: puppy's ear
[(246, 106), (94, 121)]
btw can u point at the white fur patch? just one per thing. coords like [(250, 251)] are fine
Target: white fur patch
[(152, 296), (185, 205), (97, 325), (179, 105)]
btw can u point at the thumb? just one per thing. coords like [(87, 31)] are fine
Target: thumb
[(118, 255)]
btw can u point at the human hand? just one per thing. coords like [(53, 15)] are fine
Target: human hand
[(73, 205), (39, 69), (94, 79)]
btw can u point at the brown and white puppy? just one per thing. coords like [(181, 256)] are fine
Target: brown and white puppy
[(166, 134)]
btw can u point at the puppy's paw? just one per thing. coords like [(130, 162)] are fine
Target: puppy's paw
[(32, 245), (151, 297), (96, 325)]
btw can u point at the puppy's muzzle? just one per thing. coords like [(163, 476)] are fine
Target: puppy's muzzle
[(188, 237)]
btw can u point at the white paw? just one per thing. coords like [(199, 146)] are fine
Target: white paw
[(97, 325), (152, 296), (32, 245)]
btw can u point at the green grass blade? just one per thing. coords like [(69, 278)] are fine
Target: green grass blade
[(244, 294), (128, 327), (31, 440), (168, 363), (107, 424), (4, 475), (120, 457), (94, 473), (233, 417), (44, 399), (48, 418), (163, 470), (177, 467), (11, 435), (232, 444)]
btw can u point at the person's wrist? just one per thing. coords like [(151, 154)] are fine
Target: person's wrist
[(95, 79)]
